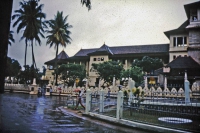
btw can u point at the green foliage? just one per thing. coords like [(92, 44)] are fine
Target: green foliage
[(29, 19), (13, 67), (28, 74), (135, 73), (10, 38), (72, 71), (87, 3), (107, 70), (136, 92), (125, 94), (148, 64), (58, 34)]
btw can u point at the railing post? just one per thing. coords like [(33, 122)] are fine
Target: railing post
[(119, 105), (101, 104), (88, 101)]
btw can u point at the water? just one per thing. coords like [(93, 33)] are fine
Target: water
[(23, 113)]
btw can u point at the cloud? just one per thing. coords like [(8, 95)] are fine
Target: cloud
[(124, 22)]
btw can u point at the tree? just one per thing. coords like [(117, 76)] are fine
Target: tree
[(72, 72), (148, 64), (13, 68), (87, 3), (10, 37), (30, 21), (27, 75), (59, 34), (107, 70), (135, 73)]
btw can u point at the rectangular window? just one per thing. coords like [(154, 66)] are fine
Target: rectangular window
[(94, 59), (99, 59), (102, 59), (179, 41), (174, 57), (174, 41), (185, 41), (193, 15)]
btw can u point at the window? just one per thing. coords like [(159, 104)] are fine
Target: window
[(193, 15), (185, 41), (174, 41), (174, 57), (102, 59), (50, 67), (179, 41), (99, 59)]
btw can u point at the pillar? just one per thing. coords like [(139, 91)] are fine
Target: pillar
[(126, 64), (88, 101), (176, 41), (113, 81), (145, 81), (165, 83), (187, 91), (101, 105), (119, 105)]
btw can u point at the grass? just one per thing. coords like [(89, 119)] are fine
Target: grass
[(151, 117)]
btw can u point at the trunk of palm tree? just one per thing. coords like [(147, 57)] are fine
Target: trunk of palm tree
[(33, 57), (33, 61), (5, 16), (56, 64), (25, 53)]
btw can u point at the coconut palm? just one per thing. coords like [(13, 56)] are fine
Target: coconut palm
[(29, 20), (58, 34), (87, 3), (10, 38)]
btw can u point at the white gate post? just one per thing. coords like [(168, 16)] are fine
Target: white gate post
[(119, 105), (88, 101), (101, 106), (187, 91)]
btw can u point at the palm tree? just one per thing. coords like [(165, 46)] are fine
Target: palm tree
[(29, 20), (87, 3), (10, 38), (59, 34)]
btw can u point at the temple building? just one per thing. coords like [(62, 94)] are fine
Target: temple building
[(123, 54), (184, 45)]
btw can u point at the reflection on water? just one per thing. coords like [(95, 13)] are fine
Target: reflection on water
[(22, 113)]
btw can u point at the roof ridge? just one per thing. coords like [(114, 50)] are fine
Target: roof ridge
[(141, 45)]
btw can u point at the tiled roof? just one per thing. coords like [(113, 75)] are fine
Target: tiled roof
[(184, 62), (153, 48), (85, 52), (180, 30), (114, 50), (104, 48), (134, 49), (61, 56)]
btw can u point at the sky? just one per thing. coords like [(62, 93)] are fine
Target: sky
[(113, 22)]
